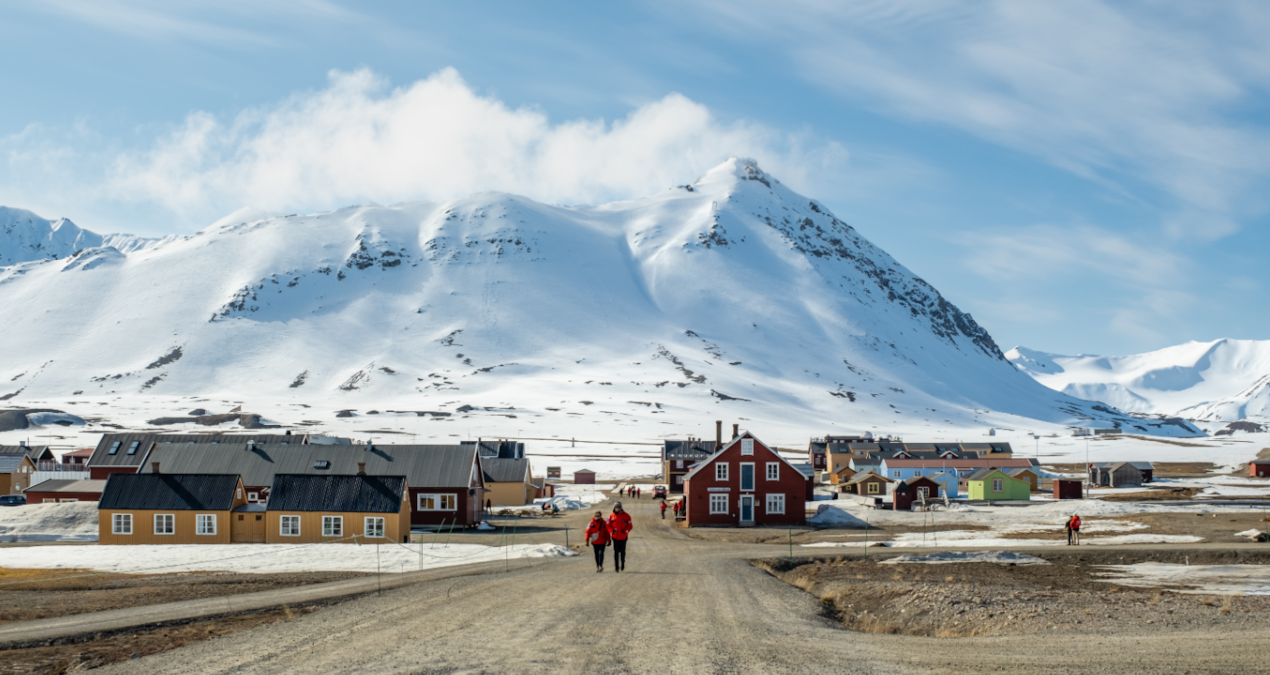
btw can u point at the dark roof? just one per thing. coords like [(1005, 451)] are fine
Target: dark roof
[(980, 474), (60, 485), (817, 447), (122, 457), (37, 453), (10, 463), (501, 449), (920, 479), (425, 466), (1015, 472), (867, 475), (584, 471), (690, 449), (499, 470), (166, 491), (337, 493)]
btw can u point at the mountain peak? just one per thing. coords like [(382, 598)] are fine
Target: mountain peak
[(736, 169)]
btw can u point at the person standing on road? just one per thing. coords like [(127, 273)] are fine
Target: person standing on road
[(1076, 528), (597, 537), (1068, 525), (663, 509), (620, 527)]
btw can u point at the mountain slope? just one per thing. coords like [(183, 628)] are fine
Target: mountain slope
[(733, 291), (1222, 380), (25, 237)]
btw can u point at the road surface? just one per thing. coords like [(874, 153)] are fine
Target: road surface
[(682, 606)]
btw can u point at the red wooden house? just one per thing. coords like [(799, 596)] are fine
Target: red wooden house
[(1258, 469), (745, 483)]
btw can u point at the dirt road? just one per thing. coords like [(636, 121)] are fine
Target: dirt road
[(683, 605)]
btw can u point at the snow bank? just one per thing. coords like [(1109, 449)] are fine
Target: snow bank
[(65, 521), (964, 539), (368, 558), (45, 419), (827, 515), (1001, 557), (1192, 579)]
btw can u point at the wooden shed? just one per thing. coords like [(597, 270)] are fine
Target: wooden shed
[(1068, 489), (1030, 475), (842, 474), (162, 508), (308, 509), (584, 477), (1258, 469), (913, 490), (866, 484)]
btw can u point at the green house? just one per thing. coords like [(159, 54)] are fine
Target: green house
[(995, 484)]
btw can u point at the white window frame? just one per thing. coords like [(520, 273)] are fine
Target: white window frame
[(719, 504), (253, 497), (200, 524), (679, 464), (121, 523), (773, 470), (775, 503), (720, 470), (168, 519), (373, 526), (439, 501), (998, 485), (332, 526), (747, 446), (284, 522)]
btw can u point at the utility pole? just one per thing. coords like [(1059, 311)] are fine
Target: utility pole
[(1086, 468)]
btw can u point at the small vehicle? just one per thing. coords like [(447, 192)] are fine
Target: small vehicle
[(660, 492), (13, 500)]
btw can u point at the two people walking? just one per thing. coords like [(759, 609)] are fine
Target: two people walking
[(1073, 530), (601, 533)]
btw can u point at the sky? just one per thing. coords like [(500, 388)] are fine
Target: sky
[(1082, 177)]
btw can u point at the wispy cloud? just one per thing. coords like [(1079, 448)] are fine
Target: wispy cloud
[(360, 140), (1148, 96)]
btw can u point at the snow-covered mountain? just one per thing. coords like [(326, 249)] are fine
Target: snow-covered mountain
[(733, 293), (25, 237), (1218, 381)]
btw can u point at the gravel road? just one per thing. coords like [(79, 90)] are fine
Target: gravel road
[(683, 605)]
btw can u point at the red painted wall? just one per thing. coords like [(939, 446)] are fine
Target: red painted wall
[(41, 497), (103, 472), (790, 483)]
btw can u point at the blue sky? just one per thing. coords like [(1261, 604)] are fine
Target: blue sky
[(1080, 176)]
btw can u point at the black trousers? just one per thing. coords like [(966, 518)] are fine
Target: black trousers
[(619, 554), (599, 554)]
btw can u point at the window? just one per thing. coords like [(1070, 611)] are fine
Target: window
[(997, 485), (72, 499), (332, 526), (374, 527), (721, 471), (164, 523), (205, 523), (290, 526), (132, 449), (121, 523), (322, 464), (776, 503), (437, 502), (773, 470), (253, 497), (747, 446), (679, 464), (747, 475), (874, 487), (923, 493), (718, 504), (679, 480), (240, 493), (114, 447)]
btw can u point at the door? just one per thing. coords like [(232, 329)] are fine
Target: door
[(747, 508)]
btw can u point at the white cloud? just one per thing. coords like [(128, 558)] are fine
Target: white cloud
[(435, 139), (1151, 96)]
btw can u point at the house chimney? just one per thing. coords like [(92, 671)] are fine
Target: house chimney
[(361, 468), (718, 434), (736, 430), (22, 443), (251, 445), (154, 467)]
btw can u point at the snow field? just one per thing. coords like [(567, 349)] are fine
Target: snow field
[(66, 521), (1192, 579), (945, 557), (262, 558)]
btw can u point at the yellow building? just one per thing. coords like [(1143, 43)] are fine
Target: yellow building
[(160, 508), (308, 509), (508, 481)]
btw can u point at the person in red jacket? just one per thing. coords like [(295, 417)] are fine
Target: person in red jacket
[(620, 527), (663, 509), (1076, 528), (597, 537)]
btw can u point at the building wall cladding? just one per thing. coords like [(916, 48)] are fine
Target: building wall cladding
[(353, 527), (50, 497), (467, 511), (790, 483), (143, 528)]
